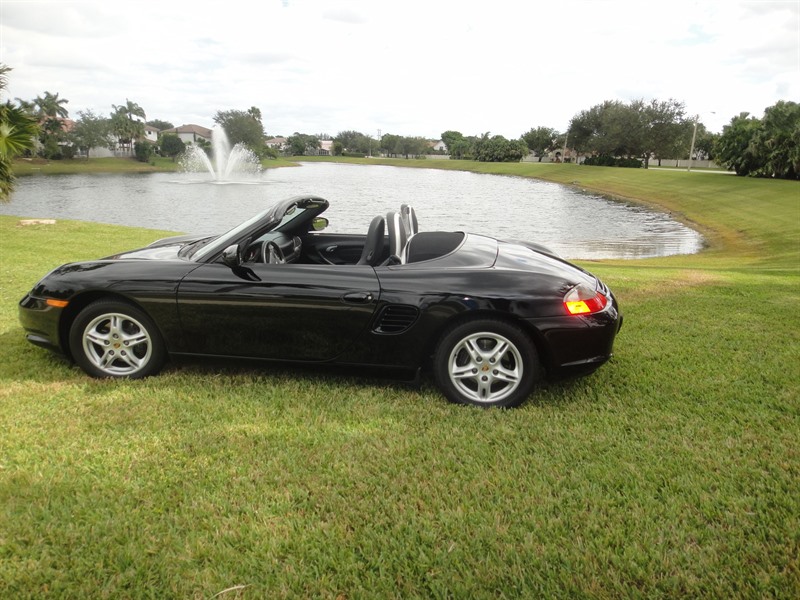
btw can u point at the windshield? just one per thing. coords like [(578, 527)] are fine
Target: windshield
[(228, 238), (279, 217)]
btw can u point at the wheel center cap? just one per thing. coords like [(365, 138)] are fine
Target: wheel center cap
[(484, 368)]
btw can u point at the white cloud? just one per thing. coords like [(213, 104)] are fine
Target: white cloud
[(412, 68)]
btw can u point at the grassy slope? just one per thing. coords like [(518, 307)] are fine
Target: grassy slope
[(671, 471)]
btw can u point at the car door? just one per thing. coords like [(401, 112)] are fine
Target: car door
[(333, 248), (281, 311)]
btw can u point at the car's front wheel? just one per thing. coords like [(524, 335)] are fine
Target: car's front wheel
[(486, 362), (110, 338)]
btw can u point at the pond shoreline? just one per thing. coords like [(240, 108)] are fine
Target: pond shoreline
[(24, 167), (571, 221)]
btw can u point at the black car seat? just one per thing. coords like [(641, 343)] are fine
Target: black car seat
[(373, 245)]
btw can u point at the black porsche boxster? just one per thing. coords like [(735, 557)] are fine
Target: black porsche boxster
[(488, 318)]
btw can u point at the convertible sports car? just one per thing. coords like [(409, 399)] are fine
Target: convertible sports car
[(488, 318)]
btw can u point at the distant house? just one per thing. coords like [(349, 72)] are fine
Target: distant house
[(117, 149), (279, 143), (67, 124), (325, 149), (190, 134), (438, 146), (151, 133)]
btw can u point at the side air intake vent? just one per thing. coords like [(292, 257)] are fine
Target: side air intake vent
[(396, 318)]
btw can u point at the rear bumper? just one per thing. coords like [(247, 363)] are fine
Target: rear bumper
[(576, 345)]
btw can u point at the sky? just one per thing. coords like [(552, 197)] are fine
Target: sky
[(406, 67)]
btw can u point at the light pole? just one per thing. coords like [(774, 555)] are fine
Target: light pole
[(694, 137), (691, 148)]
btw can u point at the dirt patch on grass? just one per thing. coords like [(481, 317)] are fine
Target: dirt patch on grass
[(673, 282)]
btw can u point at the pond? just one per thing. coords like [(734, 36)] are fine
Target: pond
[(574, 224)]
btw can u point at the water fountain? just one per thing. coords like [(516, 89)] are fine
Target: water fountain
[(226, 165)]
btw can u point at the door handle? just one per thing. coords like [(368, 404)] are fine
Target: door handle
[(358, 297)]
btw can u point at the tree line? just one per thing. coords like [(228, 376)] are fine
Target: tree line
[(55, 139), (766, 147), (615, 133), (610, 133)]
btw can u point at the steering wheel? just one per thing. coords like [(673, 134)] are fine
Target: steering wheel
[(271, 254)]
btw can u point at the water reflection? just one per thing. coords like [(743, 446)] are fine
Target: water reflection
[(574, 224)]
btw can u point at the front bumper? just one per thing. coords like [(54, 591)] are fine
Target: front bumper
[(41, 322)]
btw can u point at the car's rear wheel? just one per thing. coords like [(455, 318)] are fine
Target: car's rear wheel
[(110, 338), (486, 362)]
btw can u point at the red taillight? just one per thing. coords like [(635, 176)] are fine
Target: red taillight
[(583, 300)]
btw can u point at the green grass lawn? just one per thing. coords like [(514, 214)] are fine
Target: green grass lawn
[(674, 471), (158, 164)]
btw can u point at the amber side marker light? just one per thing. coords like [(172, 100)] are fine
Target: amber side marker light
[(56, 303), (583, 300)]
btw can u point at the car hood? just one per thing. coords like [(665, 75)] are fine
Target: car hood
[(177, 239), (163, 249)]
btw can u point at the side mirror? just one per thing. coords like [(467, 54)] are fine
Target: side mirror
[(319, 223), (232, 256)]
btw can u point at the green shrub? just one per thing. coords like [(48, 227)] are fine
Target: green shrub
[(171, 145), (51, 150), (268, 152), (604, 160), (143, 151)]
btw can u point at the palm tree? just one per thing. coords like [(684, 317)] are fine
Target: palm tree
[(17, 134), (123, 124), (29, 106), (130, 110), (51, 113), (51, 106)]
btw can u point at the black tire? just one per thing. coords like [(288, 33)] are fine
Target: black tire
[(113, 339), (486, 362)]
